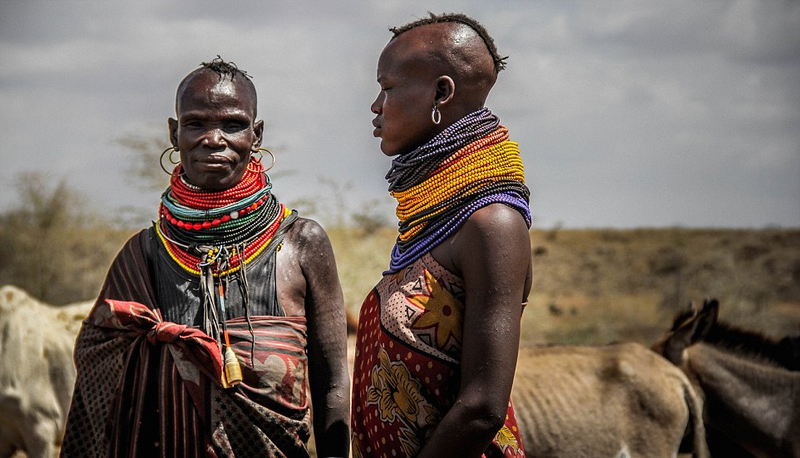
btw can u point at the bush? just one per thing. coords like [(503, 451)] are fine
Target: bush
[(52, 247)]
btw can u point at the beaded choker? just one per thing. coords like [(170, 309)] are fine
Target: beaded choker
[(413, 167), (218, 230), (469, 165)]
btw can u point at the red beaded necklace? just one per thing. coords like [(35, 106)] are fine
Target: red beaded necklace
[(191, 262), (195, 243), (194, 197)]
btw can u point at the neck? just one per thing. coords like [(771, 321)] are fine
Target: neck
[(438, 186)]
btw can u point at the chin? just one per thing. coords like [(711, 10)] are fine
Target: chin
[(208, 182), (387, 151)]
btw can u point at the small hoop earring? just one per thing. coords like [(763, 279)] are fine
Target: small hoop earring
[(436, 115), (258, 159), (171, 150)]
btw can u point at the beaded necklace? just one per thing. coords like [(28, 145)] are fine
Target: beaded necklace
[(196, 227), (214, 235), (467, 166), (413, 167)]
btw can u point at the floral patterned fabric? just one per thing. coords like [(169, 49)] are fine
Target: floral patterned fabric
[(407, 372)]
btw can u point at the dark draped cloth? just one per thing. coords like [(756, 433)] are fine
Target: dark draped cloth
[(149, 387)]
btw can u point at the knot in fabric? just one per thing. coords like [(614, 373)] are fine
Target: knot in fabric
[(165, 332)]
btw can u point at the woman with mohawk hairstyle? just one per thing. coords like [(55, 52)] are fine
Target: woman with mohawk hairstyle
[(213, 324), (438, 336)]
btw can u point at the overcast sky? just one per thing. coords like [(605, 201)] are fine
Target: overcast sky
[(628, 113)]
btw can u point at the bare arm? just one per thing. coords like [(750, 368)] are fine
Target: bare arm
[(491, 252), (327, 341)]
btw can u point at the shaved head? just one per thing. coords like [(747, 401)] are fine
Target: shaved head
[(432, 73), (477, 27), (223, 70), (453, 49)]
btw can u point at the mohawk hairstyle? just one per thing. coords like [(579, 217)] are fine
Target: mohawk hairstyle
[(222, 68), (499, 62)]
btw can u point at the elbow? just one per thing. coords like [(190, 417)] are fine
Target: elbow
[(485, 415)]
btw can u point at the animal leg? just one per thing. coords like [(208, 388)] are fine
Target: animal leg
[(40, 442)]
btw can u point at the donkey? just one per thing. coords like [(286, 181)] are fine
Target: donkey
[(615, 401), (751, 384)]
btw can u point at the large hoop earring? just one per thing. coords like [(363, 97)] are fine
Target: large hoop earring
[(171, 150), (436, 115), (261, 150)]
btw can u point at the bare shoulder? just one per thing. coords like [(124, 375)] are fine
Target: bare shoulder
[(305, 267), (494, 224), (310, 244), (306, 231), (493, 232)]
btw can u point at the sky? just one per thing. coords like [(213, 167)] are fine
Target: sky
[(629, 113)]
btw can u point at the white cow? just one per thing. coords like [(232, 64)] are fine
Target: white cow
[(37, 372)]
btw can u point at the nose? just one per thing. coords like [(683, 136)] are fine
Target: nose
[(214, 138), (376, 105)]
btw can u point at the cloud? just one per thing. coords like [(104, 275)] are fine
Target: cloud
[(635, 113)]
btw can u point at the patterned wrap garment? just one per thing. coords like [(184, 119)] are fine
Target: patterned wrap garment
[(407, 368), (408, 348)]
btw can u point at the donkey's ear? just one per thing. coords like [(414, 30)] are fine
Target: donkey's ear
[(707, 319), (690, 331), (679, 340)]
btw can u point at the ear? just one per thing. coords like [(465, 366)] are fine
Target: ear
[(258, 131), (707, 318), (11, 297), (173, 131), (678, 340), (445, 90), (691, 331)]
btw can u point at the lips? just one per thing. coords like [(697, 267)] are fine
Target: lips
[(377, 131), (213, 164), (214, 159)]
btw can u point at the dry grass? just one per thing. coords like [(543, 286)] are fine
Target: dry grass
[(628, 284), (361, 258), (590, 286), (600, 286)]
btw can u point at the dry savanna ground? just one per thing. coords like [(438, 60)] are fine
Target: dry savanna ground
[(590, 286), (598, 286)]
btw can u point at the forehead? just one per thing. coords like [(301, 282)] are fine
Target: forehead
[(400, 60), (420, 50), (208, 90)]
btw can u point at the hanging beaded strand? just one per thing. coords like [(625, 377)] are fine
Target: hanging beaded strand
[(214, 235)]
